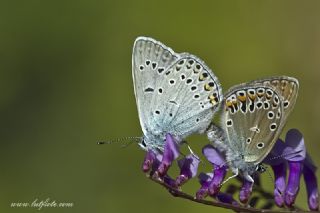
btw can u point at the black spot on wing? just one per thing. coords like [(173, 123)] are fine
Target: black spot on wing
[(173, 102), (149, 89)]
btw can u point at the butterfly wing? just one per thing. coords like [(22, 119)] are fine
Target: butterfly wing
[(190, 95), (287, 87), (175, 93), (252, 115), (149, 58)]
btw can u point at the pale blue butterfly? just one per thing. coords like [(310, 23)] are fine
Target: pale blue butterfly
[(253, 117), (175, 93)]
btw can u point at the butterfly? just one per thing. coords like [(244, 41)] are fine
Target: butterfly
[(253, 116), (175, 93)]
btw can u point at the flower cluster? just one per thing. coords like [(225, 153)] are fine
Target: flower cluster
[(288, 155)]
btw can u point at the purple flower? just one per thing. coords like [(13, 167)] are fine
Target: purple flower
[(205, 180), (293, 154), (148, 161), (309, 173), (280, 172), (170, 153), (160, 163), (220, 168), (227, 198), (188, 169), (245, 191), (293, 186)]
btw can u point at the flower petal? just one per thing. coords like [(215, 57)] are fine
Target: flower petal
[(309, 173), (219, 174), (188, 168), (292, 150), (280, 172), (295, 150), (213, 155), (148, 161), (245, 191), (204, 180), (217, 159), (170, 153), (295, 170)]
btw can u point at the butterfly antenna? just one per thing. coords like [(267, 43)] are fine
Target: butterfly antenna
[(191, 152), (130, 140), (281, 156), (229, 178)]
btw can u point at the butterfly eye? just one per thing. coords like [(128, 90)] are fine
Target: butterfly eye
[(143, 143), (260, 168)]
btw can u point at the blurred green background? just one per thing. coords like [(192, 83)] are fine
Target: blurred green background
[(65, 81)]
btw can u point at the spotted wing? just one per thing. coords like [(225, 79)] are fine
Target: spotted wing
[(252, 116), (287, 88), (149, 58), (188, 94)]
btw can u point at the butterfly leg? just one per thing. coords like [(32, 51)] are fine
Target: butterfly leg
[(248, 177), (236, 173)]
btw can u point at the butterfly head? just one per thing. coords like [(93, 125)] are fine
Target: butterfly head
[(154, 142), (142, 143), (260, 168)]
